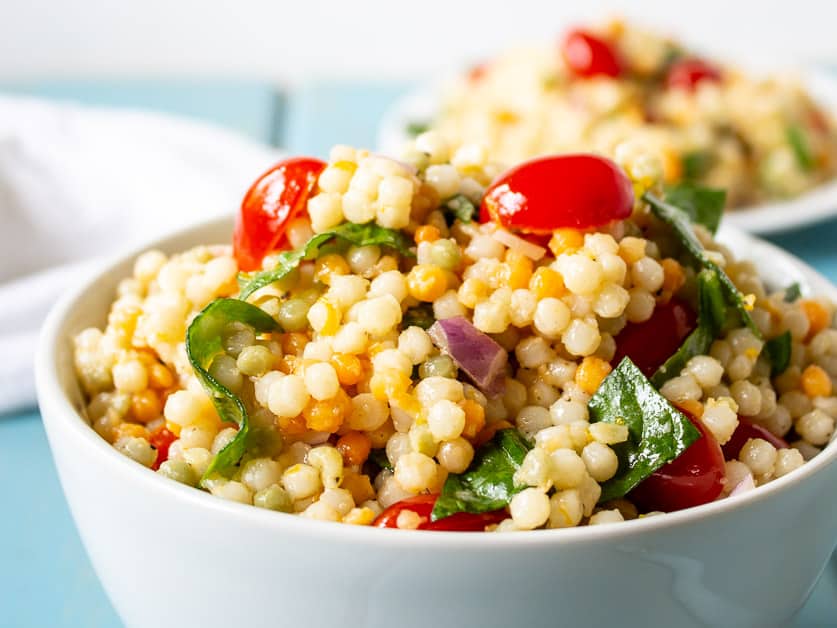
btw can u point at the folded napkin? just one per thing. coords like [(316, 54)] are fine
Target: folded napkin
[(80, 183)]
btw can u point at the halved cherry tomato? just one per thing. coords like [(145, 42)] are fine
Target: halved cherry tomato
[(745, 431), (274, 200), (422, 505), (161, 439), (687, 73), (651, 343), (558, 191), (587, 55), (694, 478), (476, 72)]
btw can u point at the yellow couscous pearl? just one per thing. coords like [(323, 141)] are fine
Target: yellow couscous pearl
[(329, 265), (160, 377), (546, 282), (565, 240), (519, 270), (354, 447), (348, 367), (125, 430), (815, 382), (673, 275), (328, 415), (474, 418), (146, 406), (388, 383), (590, 373), (817, 315), (426, 282), (427, 233), (359, 485), (324, 317)]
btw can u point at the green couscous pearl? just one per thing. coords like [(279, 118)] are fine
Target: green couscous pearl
[(293, 314), (444, 254), (255, 360), (273, 497), (225, 370), (236, 336), (179, 471), (439, 366), (264, 441)]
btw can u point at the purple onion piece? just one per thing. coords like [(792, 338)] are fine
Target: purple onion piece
[(476, 353)]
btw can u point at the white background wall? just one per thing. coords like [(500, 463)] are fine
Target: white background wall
[(291, 40)]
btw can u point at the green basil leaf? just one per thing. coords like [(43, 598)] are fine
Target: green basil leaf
[(696, 164), (792, 292), (379, 457), (799, 143), (417, 128), (703, 205), (779, 352), (419, 316), (203, 345), (358, 235), (711, 318), (461, 207), (679, 221), (488, 484), (657, 432)]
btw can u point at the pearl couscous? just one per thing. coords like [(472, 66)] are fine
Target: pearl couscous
[(397, 357), (621, 88)]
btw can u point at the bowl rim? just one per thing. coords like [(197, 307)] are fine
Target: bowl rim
[(63, 420)]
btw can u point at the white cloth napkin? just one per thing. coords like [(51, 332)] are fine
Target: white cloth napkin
[(79, 183)]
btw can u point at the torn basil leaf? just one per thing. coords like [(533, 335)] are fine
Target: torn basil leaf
[(711, 319), (657, 432), (696, 164), (419, 316), (417, 128), (379, 457), (793, 292), (799, 143), (703, 205), (488, 484), (778, 351), (679, 221), (358, 235), (459, 207), (203, 345)]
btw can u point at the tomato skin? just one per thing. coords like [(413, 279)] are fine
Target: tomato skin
[(161, 439), (745, 431), (687, 73), (422, 505), (274, 200), (694, 478), (559, 191), (587, 55), (651, 343)]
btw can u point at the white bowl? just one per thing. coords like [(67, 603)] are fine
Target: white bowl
[(170, 555), (819, 203)]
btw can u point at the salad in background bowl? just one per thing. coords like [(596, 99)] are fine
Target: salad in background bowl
[(768, 139)]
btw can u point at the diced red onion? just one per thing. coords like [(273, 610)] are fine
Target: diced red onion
[(482, 359), (747, 484)]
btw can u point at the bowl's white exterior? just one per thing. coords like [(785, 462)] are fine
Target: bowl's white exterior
[(169, 555)]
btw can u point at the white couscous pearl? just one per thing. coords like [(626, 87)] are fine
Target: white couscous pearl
[(581, 274), (606, 516), (551, 317), (321, 381), (600, 460), (567, 469), (758, 455), (301, 481), (446, 420), (288, 396), (530, 509), (581, 338), (415, 344), (415, 472)]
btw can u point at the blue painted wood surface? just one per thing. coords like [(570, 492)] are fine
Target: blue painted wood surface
[(47, 579)]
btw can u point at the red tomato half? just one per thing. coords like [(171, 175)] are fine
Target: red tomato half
[(422, 505), (687, 73), (695, 478), (274, 200), (744, 432), (651, 343), (587, 55), (548, 193), (161, 439)]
